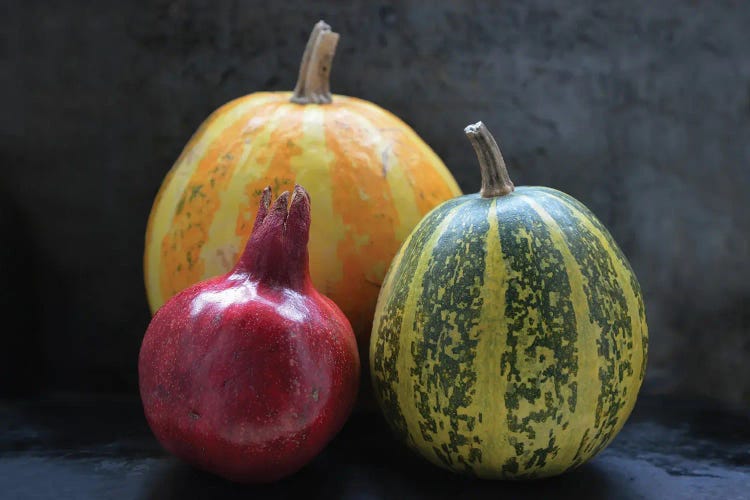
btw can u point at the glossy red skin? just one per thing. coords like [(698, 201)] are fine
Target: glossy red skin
[(246, 379)]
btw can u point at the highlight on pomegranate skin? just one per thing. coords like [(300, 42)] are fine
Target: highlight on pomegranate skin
[(249, 375)]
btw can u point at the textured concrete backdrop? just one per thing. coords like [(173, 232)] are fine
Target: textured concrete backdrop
[(640, 109)]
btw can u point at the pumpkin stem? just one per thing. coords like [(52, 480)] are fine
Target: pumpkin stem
[(313, 84), (495, 180)]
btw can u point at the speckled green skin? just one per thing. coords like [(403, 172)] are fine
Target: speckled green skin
[(510, 338)]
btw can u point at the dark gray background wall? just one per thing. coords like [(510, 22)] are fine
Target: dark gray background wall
[(640, 109)]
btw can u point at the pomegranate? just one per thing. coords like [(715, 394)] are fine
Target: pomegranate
[(249, 375)]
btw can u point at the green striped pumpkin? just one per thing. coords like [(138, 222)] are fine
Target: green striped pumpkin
[(510, 338)]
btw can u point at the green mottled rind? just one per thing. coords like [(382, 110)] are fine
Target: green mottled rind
[(564, 360), (539, 312), (576, 206), (609, 310), (444, 365), (387, 351)]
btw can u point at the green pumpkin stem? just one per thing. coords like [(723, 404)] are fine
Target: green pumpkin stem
[(313, 85), (495, 180)]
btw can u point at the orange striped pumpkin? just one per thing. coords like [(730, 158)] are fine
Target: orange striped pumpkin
[(371, 179)]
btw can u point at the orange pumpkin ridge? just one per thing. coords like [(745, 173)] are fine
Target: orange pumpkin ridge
[(414, 156), (181, 247), (278, 173), (363, 198)]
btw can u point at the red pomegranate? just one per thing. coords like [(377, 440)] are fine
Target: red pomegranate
[(250, 374)]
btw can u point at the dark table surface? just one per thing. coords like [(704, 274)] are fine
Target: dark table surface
[(100, 447)]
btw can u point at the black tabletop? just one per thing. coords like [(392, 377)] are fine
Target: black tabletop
[(100, 447)]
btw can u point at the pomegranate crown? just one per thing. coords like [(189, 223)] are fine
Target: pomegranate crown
[(276, 252)]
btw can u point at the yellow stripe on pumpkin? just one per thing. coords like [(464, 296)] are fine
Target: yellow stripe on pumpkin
[(238, 201), (168, 199), (309, 165), (623, 278), (196, 208), (589, 360), (493, 341)]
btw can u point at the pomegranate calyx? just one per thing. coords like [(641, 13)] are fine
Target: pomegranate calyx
[(276, 253)]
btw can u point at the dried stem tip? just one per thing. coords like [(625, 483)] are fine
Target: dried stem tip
[(495, 180), (313, 85)]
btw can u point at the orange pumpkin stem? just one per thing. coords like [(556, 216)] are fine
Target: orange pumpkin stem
[(313, 84), (495, 180)]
